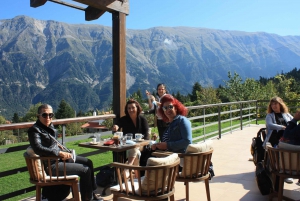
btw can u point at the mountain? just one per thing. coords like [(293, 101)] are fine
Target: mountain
[(47, 61)]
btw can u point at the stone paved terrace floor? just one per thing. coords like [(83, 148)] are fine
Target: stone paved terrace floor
[(235, 177)]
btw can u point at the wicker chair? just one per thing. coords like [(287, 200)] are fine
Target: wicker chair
[(195, 169), (283, 164), (40, 178), (157, 184)]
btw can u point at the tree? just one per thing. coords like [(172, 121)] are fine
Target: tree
[(233, 89), (16, 118), (31, 115), (64, 110), (197, 89), (2, 120)]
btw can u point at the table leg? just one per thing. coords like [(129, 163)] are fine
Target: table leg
[(119, 157)]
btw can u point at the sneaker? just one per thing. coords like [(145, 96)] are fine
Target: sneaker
[(289, 180)]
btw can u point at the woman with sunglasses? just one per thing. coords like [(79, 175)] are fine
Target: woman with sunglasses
[(178, 135), (42, 138), (133, 122), (161, 125)]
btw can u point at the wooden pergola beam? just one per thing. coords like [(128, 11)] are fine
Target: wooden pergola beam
[(119, 10), (108, 5), (92, 13), (119, 63), (37, 3)]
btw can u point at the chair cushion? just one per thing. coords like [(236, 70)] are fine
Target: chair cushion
[(39, 173), (135, 183), (194, 148), (136, 187), (289, 164), (290, 147), (151, 176), (199, 147)]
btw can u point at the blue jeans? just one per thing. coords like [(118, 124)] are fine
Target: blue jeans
[(83, 167)]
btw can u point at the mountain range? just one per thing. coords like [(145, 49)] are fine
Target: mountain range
[(47, 61)]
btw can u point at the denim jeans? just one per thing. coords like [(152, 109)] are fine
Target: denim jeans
[(83, 167)]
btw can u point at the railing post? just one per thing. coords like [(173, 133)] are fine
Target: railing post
[(204, 130), (256, 104), (230, 119), (241, 115), (219, 121), (63, 133), (249, 112)]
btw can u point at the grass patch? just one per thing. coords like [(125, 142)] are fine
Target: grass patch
[(23, 178)]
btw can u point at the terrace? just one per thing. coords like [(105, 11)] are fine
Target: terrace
[(235, 174), (230, 125)]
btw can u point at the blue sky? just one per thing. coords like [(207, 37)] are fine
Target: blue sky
[(281, 17)]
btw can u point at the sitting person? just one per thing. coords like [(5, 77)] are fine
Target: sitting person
[(179, 133), (276, 120), (133, 122), (44, 145), (291, 133)]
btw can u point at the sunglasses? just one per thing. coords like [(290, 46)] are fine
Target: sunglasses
[(45, 115), (167, 107)]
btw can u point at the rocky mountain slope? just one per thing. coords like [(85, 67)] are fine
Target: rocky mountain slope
[(47, 61)]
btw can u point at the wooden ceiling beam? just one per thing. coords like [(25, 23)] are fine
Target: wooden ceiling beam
[(92, 13), (108, 5), (67, 4), (37, 3)]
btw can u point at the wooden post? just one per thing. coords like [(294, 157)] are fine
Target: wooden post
[(119, 63)]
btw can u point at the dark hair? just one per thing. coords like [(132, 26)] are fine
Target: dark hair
[(181, 109), (283, 107), (43, 106), (131, 101), (161, 84)]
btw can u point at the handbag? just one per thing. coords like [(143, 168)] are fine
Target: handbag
[(256, 149), (71, 151), (263, 181)]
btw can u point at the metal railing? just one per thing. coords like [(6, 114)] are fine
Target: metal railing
[(208, 121)]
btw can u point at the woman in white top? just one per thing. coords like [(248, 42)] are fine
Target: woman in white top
[(154, 105)]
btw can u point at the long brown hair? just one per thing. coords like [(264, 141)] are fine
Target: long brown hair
[(138, 106), (283, 107)]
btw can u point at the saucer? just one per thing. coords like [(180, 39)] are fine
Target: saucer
[(94, 143), (139, 140)]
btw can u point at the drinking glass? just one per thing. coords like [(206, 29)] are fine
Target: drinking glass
[(98, 136), (123, 141), (129, 136)]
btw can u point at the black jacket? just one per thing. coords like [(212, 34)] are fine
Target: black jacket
[(127, 126), (40, 141)]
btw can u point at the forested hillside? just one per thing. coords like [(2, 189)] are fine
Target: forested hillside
[(48, 61)]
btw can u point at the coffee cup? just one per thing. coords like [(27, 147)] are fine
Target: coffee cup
[(94, 140), (139, 136)]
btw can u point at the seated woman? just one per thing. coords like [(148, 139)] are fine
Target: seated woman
[(179, 133), (44, 145), (276, 120), (133, 122)]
